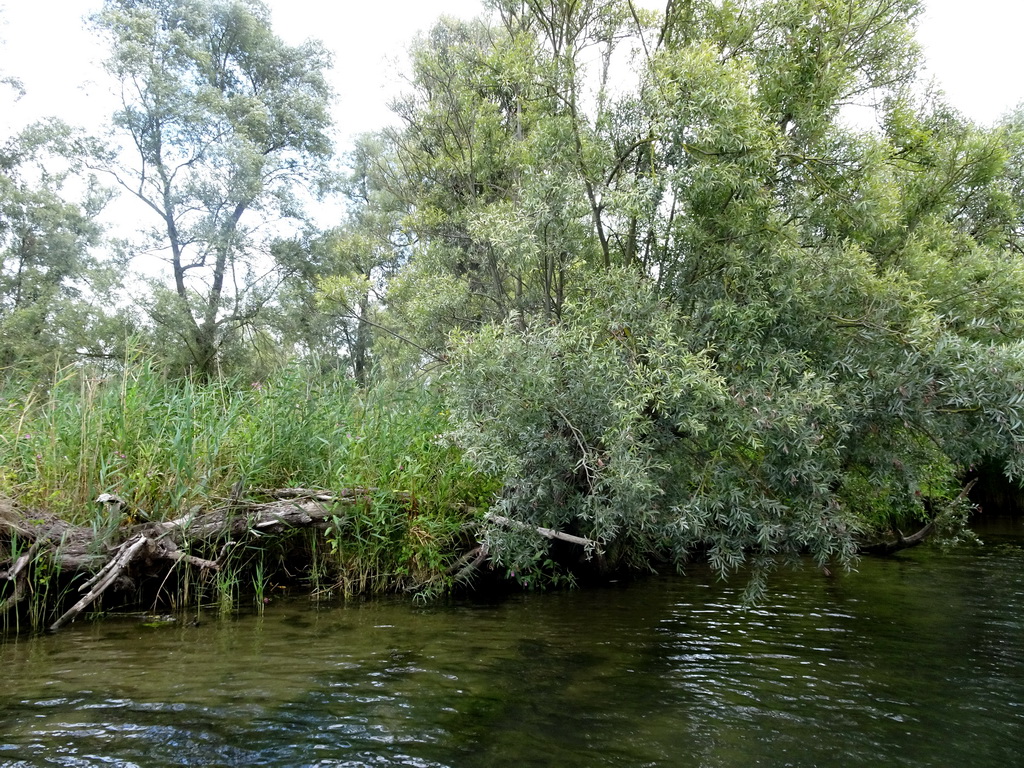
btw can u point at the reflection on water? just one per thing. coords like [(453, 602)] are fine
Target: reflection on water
[(916, 660)]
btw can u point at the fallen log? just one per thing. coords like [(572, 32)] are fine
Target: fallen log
[(102, 580), (18, 574), (159, 546), (464, 568)]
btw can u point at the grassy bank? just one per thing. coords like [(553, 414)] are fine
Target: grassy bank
[(167, 447)]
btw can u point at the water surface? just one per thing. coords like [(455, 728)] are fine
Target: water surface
[(915, 660)]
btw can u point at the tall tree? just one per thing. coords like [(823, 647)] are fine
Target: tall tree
[(815, 331), (502, 162), (223, 123), (337, 279)]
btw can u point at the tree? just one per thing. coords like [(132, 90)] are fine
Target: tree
[(337, 278), (52, 288), (223, 124), (775, 332), (501, 166)]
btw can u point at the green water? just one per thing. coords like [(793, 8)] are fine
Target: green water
[(916, 660)]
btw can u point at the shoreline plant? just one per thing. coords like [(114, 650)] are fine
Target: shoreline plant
[(165, 447)]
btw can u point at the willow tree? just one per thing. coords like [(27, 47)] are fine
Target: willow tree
[(501, 161), (776, 332), (222, 124)]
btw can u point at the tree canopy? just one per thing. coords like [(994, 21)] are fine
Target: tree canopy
[(219, 119), (690, 304), (56, 293)]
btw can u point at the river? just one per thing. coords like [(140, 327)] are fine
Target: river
[(912, 660)]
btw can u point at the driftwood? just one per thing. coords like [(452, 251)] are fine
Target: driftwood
[(900, 541), (18, 573), (107, 576), (464, 568), (152, 544)]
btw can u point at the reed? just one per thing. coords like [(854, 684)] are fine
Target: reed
[(167, 446)]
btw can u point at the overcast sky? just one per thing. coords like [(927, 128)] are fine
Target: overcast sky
[(44, 43), (972, 50)]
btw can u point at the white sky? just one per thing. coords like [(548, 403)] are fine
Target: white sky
[(974, 51), (972, 48), (44, 43)]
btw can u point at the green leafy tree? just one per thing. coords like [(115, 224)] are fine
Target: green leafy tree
[(338, 278), (57, 300), (774, 332), (501, 166), (223, 124)]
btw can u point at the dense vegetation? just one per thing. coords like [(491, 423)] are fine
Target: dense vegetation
[(722, 281)]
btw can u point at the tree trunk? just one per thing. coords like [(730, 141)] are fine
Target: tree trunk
[(152, 548)]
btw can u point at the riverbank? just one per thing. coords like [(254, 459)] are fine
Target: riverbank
[(292, 538), (254, 546), (166, 494), (132, 491)]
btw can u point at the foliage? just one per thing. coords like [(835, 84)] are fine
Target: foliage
[(608, 426), (495, 171), (54, 291), (222, 123), (165, 446), (660, 289), (773, 332), (338, 278)]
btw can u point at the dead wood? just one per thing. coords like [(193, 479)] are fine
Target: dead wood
[(156, 545), (19, 575), (107, 576), (464, 568), (547, 533)]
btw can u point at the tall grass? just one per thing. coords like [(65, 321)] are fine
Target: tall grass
[(167, 446)]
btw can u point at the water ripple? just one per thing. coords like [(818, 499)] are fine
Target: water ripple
[(910, 662)]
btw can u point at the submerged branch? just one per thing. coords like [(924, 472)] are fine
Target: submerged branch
[(107, 576), (18, 574), (920, 536)]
